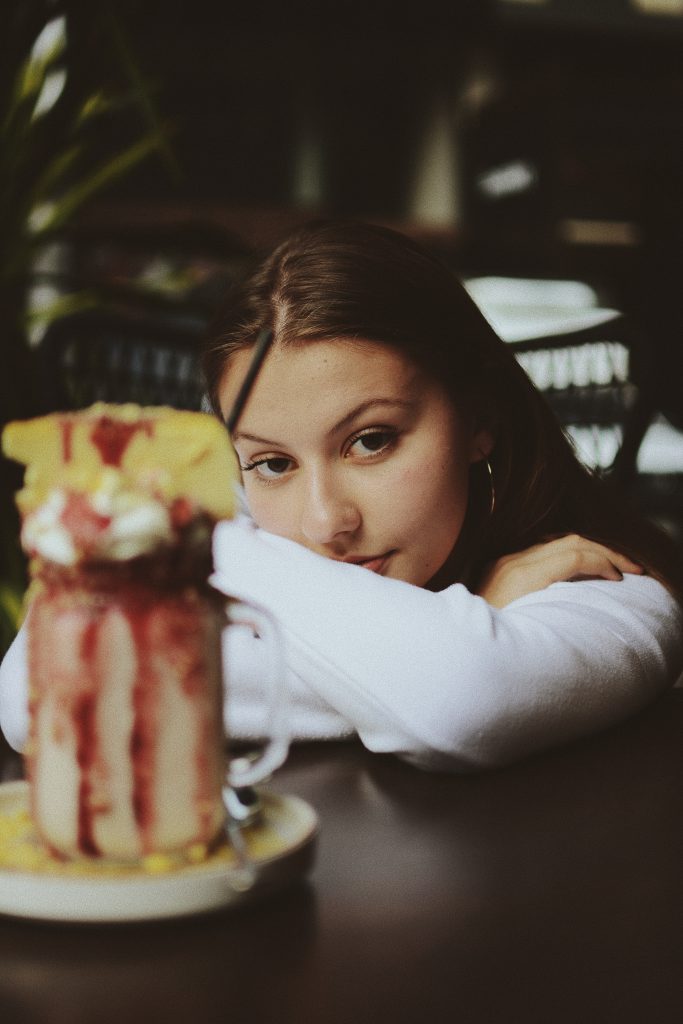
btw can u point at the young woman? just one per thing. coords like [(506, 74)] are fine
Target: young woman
[(453, 586)]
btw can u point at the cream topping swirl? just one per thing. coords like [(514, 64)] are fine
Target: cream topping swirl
[(112, 522)]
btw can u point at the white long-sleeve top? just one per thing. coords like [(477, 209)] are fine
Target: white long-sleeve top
[(444, 680)]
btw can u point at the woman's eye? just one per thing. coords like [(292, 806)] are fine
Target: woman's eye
[(269, 469), (372, 442)]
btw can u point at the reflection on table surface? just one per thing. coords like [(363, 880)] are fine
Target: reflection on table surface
[(549, 891)]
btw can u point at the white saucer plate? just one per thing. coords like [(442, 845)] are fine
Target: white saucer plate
[(281, 849)]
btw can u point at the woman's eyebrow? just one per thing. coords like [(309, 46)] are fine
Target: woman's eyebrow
[(396, 403), (240, 435)]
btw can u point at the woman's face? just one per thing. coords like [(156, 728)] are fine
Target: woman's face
[(350, 450)]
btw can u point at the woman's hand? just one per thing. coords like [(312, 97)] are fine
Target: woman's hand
[(567, 558)]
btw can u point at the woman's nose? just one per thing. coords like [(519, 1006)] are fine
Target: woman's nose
[(328, 510)]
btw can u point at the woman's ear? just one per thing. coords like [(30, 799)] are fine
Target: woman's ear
[(482, 444), (483, 440), (484, 423)]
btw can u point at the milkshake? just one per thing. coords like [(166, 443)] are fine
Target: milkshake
[(125, 758)]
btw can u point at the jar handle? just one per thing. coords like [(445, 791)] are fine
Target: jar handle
[(250, 769)]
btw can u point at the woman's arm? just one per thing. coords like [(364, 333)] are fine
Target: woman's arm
[(446, 680)]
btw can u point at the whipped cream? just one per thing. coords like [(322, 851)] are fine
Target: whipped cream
[(111, 522), (43, 534)]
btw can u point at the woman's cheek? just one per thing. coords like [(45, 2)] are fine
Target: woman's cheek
[(262, 508), (410, 496)]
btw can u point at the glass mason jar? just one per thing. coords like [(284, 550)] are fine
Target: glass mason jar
[(127, 751)]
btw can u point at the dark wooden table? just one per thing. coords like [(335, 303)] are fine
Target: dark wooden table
[(548, 892)]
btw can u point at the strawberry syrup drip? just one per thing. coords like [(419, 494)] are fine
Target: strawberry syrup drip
[(85, 727), (83, 523), (111, 437), (86, 739), (145, 715), (67, 439), (189, 638), (195, 682), (205, 768), (142, 741), (34, 666)]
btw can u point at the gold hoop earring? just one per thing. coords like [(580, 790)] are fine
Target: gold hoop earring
[(492, 486)]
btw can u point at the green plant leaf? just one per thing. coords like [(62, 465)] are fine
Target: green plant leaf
[(64, 305), (142, 94), (94, 106), (29, 82), (54, 172), (61, 210), (12, 603)]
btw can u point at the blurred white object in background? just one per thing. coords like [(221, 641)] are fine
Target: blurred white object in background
[(523, 309)]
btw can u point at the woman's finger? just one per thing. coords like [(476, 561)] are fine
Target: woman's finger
[(581, 548), (566, 558)]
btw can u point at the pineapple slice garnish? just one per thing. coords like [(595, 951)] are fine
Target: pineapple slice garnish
[(167, 452)]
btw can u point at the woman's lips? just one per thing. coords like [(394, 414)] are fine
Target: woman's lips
[(375, 563)]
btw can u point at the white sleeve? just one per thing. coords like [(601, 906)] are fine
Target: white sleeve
[(14, 692), (445, 680)]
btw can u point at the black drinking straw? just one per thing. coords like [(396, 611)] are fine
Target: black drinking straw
[(262, 345)]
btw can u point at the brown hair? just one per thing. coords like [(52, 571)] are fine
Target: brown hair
[(351, 280)]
